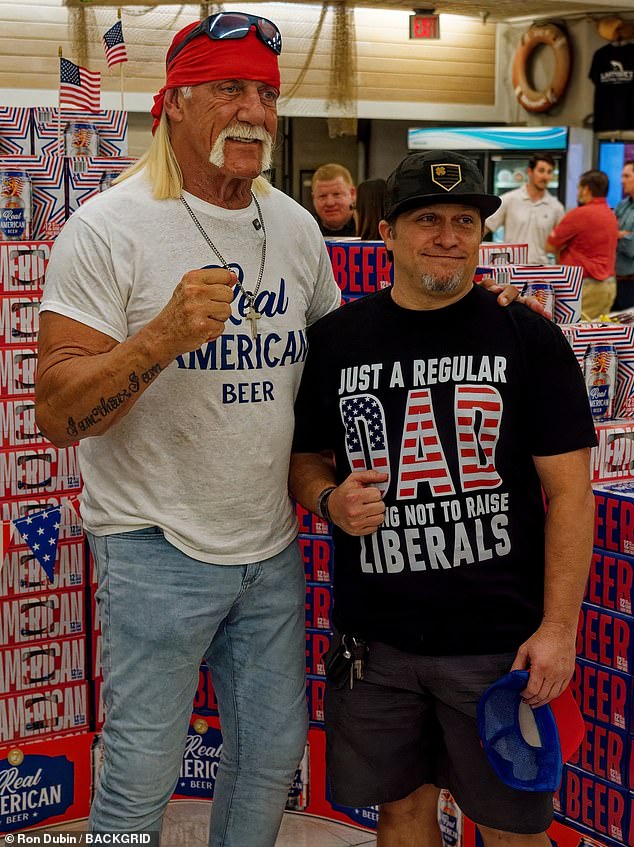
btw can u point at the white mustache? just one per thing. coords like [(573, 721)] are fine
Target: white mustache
[(246, 132)]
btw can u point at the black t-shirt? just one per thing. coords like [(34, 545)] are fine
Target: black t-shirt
[(347, 230), (612, 72), (454, 403)]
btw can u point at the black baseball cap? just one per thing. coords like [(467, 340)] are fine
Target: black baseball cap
[(437, 176)]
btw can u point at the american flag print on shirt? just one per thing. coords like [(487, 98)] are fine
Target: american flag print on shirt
[(366, 445), (79, 88), (114, 45)]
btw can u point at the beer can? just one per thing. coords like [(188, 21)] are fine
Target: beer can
[(15, 206), (449, 820), (543, 292), (298, 793), (599, 367), (106, 180), (81, 140)]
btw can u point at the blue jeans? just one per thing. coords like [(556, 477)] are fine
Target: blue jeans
[(162, 612)]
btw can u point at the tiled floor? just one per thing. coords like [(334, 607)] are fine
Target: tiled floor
[(186, 824)]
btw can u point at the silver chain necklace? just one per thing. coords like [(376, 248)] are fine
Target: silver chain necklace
[(253, 316)]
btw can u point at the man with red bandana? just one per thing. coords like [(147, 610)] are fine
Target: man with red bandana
[(173, 336)]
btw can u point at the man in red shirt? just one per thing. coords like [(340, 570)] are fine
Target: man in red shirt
[(587, 236)]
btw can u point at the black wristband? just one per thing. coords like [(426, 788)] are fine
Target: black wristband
[(322, 502)]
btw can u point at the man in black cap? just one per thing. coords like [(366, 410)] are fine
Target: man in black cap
[(445, 415)]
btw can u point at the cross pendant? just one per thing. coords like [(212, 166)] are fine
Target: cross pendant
[(253, 317)]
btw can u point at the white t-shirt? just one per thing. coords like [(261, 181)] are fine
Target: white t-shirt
[(527, 221), (204, 452)]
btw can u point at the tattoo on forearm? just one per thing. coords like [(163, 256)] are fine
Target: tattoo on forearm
[(108, 405)]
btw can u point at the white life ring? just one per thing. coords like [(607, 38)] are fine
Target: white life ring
[(552, 36)]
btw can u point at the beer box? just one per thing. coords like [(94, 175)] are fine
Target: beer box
[(50, 663), (610, 582), (70, 525), (111, 127), (318, 555), (46, 711), (22, 574), (613, 458), (606, 753), (38, 470), (606, 638), (19, 319), (99, 715), (597, 805), (205, 702), (46, 783), (318, 606), (309, 522), (42, 617), (566, 281), (603, 695), (315, 690), (614, 518), (359, 267), (48, 197), (23, 266), (16, 133), (622, 337), (203, 748), (367, 817), (18, 366), (317, 643), (511, 254), (17, 423), (87, 176)]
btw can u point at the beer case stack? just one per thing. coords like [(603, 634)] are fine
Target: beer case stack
[(48, 645)]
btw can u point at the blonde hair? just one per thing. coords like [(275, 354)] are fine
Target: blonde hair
[(161, 166), (326, 173)]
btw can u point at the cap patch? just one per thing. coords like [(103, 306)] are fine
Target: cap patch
[(447, 176)]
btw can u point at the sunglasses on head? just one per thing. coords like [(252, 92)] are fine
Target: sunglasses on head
[(232, 25)]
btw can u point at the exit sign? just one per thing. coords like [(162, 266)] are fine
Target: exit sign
[(422, 27)]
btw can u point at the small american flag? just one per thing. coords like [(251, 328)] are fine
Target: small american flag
[(114, 45), (41, 532), (79, 88)]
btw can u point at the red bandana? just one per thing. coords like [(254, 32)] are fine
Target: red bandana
[(205, 59)]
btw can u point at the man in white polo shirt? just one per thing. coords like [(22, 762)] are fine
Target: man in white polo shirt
[(530, 212)]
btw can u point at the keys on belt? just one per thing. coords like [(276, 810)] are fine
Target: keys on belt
[(348, 661)]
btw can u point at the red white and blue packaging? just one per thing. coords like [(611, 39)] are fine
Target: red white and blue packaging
[(19, 319), (21, 574), (111, 127), (45, 783), (88, 176), (309, 523), (16, 132), (23, 266), (318, 605), (17, 423), (606, 638), (359, 267), (566, 281), (600, 807), (492, 253), (607, 753), (612, 459), (42, 617), (44, 712), (18, 366), (70, 525), (603, 695), (26, 667), (205, 702), (318, 555), (38, 470), (315, 690), (48, 195), (621, 337), (318, 642), (611, 582), (614, 517)]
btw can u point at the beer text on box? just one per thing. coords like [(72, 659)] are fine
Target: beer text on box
[(58, 773), (37, 470), (42, 617), (600, 806), (318, 605), (360, 267), (22, 575), (43, 712), (613, 457), (318, 555), (611, 582), (606, 638), (607, 753), (613, 519), (19, 319), (23, 266), (603, 695), (18, 366)]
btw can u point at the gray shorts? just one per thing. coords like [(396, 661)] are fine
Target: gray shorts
[(412, 721)]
